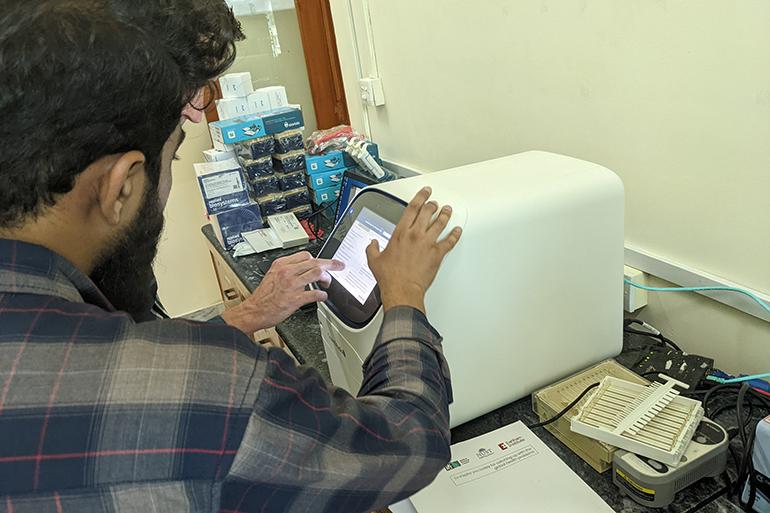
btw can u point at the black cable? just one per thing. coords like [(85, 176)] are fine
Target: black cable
[(629, 322), (565, 410), (747, 440), (734, 456), (739, 411), (322, 209), (670, 342), (746, 468), (644, 334), (659, 336), (762, 398), (721, 410), (663, 340), (728, 387), (744, 418), (749, 415), (313, 218)]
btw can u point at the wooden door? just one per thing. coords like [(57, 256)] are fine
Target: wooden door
[(323, 63)]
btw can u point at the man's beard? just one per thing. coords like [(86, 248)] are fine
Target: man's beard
[(124, 274)]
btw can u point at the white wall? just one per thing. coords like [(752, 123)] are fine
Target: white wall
[(186, 278), (672, 95), (184, 269)]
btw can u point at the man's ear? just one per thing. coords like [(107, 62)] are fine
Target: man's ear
[(120, 184)]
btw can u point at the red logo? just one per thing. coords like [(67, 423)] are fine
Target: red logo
[(502, 445)]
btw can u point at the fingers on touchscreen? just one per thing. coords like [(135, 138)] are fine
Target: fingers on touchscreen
[(373, 250)]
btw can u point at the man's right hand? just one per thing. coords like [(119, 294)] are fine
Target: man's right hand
[(282, 292), (407, 267)]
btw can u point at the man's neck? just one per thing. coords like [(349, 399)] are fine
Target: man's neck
[(65, 239)]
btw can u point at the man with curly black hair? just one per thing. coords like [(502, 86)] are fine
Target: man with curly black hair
[(101, 413), (200, 35)]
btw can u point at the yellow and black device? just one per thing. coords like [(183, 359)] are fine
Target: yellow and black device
[(655, 484)]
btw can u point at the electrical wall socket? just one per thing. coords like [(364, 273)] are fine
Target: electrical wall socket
[(633, 298), (372, 92)]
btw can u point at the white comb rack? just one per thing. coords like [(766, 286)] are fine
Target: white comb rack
[(652, 421)]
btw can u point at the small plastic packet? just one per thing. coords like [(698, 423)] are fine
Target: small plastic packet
[(322, 141), (286, 142), (289, 162), (257, 168), (265, 186), (297, 198), (255, 148), (289, 181), (273, 204)]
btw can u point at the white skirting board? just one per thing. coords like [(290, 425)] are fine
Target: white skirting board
[(684, 276)]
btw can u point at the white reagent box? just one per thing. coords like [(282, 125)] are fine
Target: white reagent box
[(276, 96), (230, 108), (236, 85)]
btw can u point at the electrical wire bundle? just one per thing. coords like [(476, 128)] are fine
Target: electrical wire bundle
[(750, 406), (738, 406), (314, 220)]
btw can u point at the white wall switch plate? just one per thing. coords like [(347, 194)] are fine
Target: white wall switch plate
[(372, 92)]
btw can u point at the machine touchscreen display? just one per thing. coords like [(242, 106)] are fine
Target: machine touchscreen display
[(354, 296), (357, 278)]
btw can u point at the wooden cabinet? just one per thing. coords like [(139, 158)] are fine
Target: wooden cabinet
[(232, 289), (234, 292)]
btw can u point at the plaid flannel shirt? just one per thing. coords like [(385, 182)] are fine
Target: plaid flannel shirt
[(101, 414)]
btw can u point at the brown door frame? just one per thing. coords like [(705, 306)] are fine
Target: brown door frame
[(323, 63)]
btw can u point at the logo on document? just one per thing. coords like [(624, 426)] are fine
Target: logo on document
[(510, 443), (452, 465), (456, 464), (483, 453)]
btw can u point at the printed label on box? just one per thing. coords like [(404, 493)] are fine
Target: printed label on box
[(249, 127), (327, 180), (222, 185)]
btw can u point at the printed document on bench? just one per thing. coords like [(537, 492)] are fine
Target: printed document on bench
[(509, 469)]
